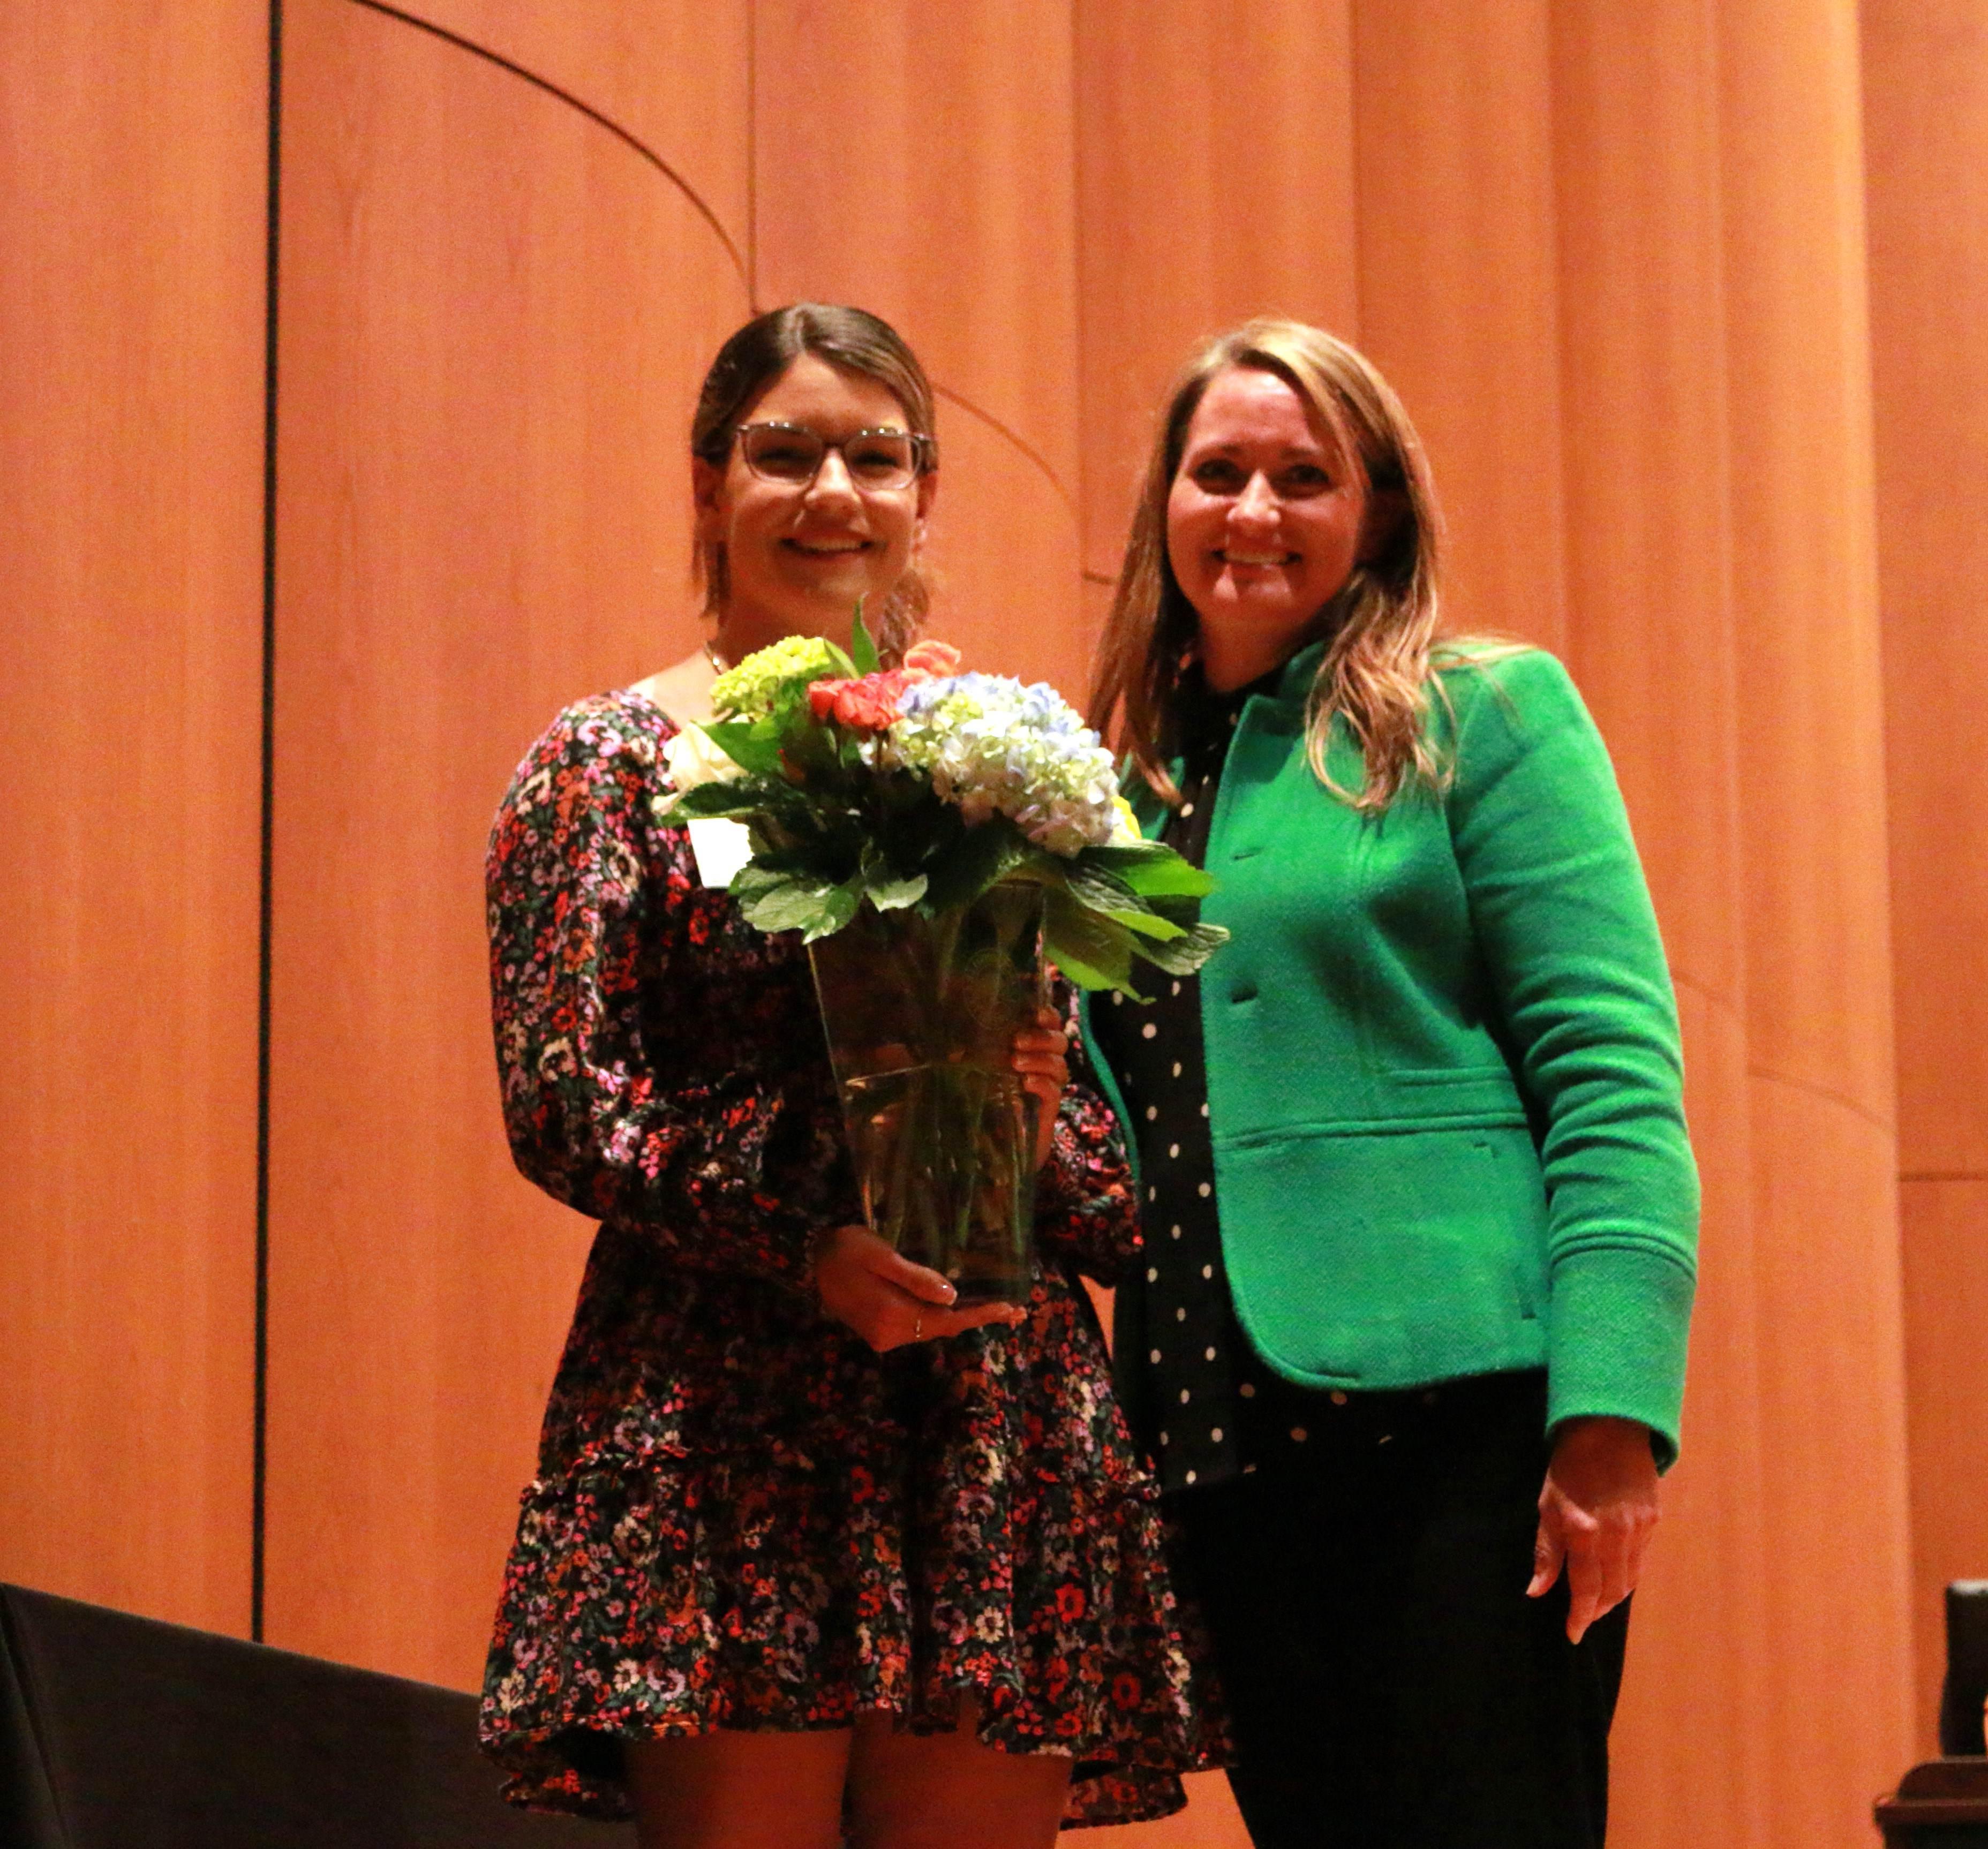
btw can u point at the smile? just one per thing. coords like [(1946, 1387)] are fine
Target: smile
[(1231, 556), (827, 548)]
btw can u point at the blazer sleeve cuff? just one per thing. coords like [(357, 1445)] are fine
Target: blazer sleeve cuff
[(1620, 1318)]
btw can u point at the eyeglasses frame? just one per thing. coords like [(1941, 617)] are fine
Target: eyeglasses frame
[(925, 452)]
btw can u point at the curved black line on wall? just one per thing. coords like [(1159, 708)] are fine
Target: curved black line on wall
[(710, 218), (1002, 430), (677, 180), (585, 109)]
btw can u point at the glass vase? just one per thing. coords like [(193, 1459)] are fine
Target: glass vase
[(921, 1013)]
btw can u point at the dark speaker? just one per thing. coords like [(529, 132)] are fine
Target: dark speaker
[(1966, 1685), (121, 1732)]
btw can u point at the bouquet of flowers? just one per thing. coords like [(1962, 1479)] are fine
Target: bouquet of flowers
[(933, 835)]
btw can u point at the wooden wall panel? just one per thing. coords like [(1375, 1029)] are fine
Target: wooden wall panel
[(1458, 304), (1925, 99), (1215, 165), (1003, 558), (1818, 1012), (1215, 180), (678, 78), (1835, 1727), (918, 162), (1652, 639), (132, 185), (494, 318)]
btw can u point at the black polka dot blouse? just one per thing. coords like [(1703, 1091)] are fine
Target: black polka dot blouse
[(1199, 1399)]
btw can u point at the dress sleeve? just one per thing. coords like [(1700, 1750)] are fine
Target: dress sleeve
[(1085, 1211), (722, 1171), (1564, 923)]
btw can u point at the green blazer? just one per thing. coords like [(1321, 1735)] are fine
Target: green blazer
[(1444, 1081)]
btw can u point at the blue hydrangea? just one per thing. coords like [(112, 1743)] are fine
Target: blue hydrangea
[(994, 746)]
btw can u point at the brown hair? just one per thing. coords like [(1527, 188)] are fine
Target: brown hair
[(853, 340), (1377, 671)]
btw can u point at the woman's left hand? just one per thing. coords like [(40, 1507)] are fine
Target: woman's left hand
[(1039, 1056), (1597, 1512)]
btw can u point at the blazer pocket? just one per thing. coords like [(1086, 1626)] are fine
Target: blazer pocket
[(1482, 1093)]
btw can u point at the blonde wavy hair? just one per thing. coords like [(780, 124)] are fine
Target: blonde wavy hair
[(1378, 669)]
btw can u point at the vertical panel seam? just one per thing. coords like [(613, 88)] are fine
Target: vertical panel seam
[(257, 1551), (753, 155)]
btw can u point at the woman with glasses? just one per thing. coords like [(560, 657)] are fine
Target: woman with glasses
[(808, 1545), (1406, 1340)]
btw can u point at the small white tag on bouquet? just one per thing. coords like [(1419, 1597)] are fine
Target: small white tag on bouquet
[(722, 845)]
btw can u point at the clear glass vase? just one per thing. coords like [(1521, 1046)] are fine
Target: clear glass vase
[(921, 1013)]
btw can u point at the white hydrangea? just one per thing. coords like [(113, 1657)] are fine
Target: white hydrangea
[(994, 746)]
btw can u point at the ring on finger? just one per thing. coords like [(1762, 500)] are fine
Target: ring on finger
[(918, 1328)]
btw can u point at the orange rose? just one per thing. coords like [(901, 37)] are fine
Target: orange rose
[(869, 705), (929, 660)]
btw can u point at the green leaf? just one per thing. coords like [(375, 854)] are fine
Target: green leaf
[(839, 905), (862, 650), (884, 888), (1093, 952), (1148, 925), (888, 894), (1100, 891), (994, 850), (742, 798), (1187, 952), (1152, 869), (773, 901), (751, 744)]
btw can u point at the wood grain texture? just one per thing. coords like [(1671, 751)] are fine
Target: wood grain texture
[(1798, 360), (1215, 182), (1926, 91), (918, 161), (1003, 560), (1651, 622), (132, 187), (678, 78), (1836, 1726), (1926, 101), (494, 317), (1458, 302), (1819, 988)]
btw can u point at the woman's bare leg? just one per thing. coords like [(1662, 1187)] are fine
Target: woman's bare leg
[(947, 1791), (739, 1791)]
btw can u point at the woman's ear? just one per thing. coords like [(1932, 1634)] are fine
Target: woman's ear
[(927, 491), (1387, 509)]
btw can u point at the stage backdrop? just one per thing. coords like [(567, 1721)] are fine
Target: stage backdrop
[(345, 357)]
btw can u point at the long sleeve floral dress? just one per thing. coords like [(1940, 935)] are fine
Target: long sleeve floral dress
[(743, 1517)]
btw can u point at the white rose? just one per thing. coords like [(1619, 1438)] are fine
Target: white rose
[(692, 759)]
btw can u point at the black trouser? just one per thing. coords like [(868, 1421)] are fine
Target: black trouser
[(1391, 1685)]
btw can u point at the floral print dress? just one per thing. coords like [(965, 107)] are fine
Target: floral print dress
[(743, 1517)]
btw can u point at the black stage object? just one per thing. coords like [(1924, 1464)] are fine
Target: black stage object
[(1943, 1804), (121, 1732), (1966, 1686)]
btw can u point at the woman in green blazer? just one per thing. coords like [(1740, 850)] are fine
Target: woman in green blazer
[(1419, 1211)]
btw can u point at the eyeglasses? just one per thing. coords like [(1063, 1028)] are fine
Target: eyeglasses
[(791, 453)]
